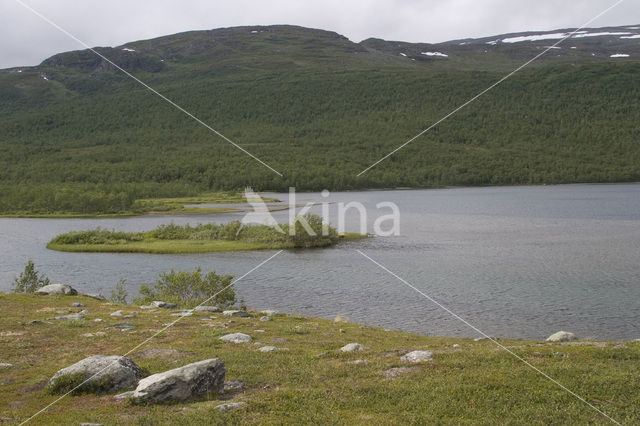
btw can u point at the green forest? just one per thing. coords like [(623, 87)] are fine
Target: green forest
[(96, 142)]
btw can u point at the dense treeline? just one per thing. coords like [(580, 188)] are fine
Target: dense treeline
[(99, 152)]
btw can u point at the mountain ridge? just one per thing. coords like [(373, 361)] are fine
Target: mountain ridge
[(79, 136)]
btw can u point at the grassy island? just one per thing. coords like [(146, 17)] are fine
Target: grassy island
[(202, 238), (309, 380)]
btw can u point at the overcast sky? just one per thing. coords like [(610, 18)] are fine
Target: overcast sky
[(25, 39)]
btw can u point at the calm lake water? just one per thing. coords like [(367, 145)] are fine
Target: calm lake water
[(514, 261)]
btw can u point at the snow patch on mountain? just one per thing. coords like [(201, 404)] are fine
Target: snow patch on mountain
[(128, 49), (600, 34), (633, 36), (619, 55), (440, 54), (535, 37)]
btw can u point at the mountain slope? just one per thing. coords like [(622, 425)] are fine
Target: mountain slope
[(79, 136)]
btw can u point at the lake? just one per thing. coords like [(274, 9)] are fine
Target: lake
[(520, 262)]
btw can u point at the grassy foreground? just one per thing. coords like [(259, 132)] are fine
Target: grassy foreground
[(312, 382)]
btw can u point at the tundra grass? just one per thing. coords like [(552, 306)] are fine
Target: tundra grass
[(311, 382)]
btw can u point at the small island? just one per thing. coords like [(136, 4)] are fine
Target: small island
[(202, 238)]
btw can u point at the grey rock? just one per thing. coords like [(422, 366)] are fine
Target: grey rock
[(104, 373), (351, 347), (417, 356), (69, 317), (124, 326), (265, 318), (236, 313), (258, 331), (57, 289), (5, 365), (561, 336), (271, 349), (455, 345), (230, 406), (131, 315), (205, 308), (182, 383), (98, 320), (147, 307), (236, 338), (182, 314), (123, 395), (116, 314), (77, 305), (392, 373), (83, 312), (164, 305), (233, 386)]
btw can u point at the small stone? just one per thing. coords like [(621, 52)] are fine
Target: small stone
[(57, 289), (271, 349), (124, 326), (233, 386), (480, 339), (77, 305), (360, 361), (5, 365), (455, 345), (205, 308), (164, 305), (258, 343), (561, 336), (83, 312), (69, 317), (98, 320), (147, 307), (417, 356), (94, 296), (236, 338), (116, 314), (131, 315), (265, 318), (258, 331), (392, 373), (236, 313), (230, 406), (351, 347), (269, 312), (182, 314)]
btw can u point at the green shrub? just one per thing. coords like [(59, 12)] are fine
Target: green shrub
[(30, 280), (119, 294), (189, 289)]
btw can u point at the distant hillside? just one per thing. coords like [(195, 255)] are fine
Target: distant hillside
[(77, 135)]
